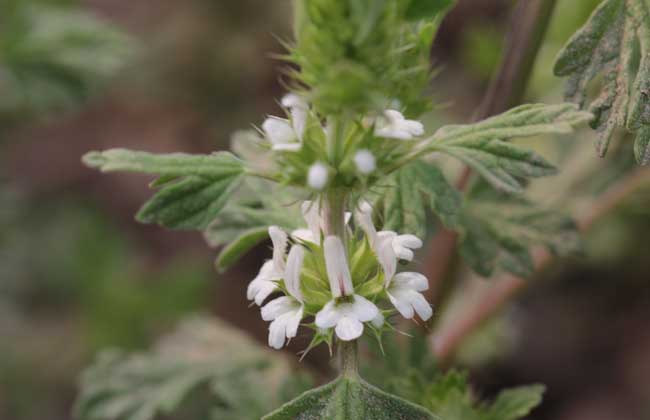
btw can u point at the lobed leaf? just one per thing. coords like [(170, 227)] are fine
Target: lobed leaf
[(613, 45), (497, 233), (412, 192), (483, 146), (349, 398), (452, 398), (205, 365), (194, 188)]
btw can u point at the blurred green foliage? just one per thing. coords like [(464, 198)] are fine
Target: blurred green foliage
[(53, 55)]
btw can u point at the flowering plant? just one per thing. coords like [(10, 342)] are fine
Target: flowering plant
[(351, 156)]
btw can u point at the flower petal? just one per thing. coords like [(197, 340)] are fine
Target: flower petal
[(304, 235), (287, 147), (402, 244), (328, 316), (312, 214), (401, 303), (365, 161), (422, 307), (277, 333), (363, 309), (278, 131), (317, 176), (292, 273), (363, 216), (336, 264), (293, 323), (386, 254), (411, 280), (378, 321), (262, 286), (278, 307), (279, 239), (348, 329)]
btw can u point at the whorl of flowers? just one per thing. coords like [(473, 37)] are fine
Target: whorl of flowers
[(317, 284)]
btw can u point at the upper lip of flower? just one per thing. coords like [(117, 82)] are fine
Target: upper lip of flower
[(393, 125)]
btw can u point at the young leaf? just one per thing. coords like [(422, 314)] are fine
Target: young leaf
[(614, 44), (194, 188), (483, 145), (427, 9), (411, 192), (497, 232), (515, 403), (452, 399), (349, 398), (239, 246)]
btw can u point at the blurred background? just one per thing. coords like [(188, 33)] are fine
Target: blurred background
[(79, 275)]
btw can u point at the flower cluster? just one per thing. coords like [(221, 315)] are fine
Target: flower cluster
[(316, 278), (300, 144)]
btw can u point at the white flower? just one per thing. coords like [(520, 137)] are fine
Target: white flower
[(387, 245), (336, 264), (404, 293), (272, 271), (347, 317), (299, 109), (393, 125), (317, 176), (262, 285), (281, 135), (286, 312), (404, 288), (365, 161)]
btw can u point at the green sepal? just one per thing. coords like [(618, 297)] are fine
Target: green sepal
[(240, 246), (348, 398)]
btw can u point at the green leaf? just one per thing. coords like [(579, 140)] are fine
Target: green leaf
[(642, 146), (427, 9), (194, 188), (240, 246), (215, 165), (452, 399), (614, 46), (498, 231), (483, 145), (205, 365), (349, 398), (54, 56), (192, 203), (411, 192), (515, 403)]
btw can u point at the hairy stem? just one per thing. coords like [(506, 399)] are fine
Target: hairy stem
[(348, 354), (450, 336), (527, 29)]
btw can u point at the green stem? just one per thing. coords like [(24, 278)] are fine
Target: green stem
[(348, 353)]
